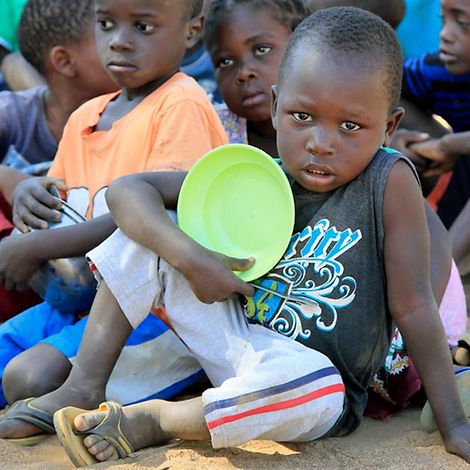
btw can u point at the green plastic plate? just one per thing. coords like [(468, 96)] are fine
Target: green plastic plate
[(236, 200)]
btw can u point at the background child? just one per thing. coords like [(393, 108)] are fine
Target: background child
[(65, 53), (360, 248), (160, 119), (246, 40), (32, 121)]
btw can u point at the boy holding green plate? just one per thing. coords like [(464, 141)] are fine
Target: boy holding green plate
[(359, 254)]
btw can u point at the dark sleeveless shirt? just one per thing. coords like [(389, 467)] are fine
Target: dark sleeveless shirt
[(336, 259)]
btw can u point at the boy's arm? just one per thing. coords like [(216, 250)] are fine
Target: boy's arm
[(138, 204), (22, 255), (413, 307), (19, 73)]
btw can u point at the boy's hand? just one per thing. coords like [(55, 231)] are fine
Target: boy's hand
[(441, 162), (33, 205), (457, 441), (18, 262), (211, 276)]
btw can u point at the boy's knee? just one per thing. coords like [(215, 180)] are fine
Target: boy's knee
[(34, 373)]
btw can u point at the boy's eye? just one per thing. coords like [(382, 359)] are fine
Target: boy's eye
[(262, 50), (105, 25), (302, 117), (224, 62), (144, 27), (350, 126)]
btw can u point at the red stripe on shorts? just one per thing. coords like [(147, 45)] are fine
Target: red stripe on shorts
[(278, 406)]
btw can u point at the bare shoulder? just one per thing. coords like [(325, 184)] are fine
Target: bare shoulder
[(403, 197)]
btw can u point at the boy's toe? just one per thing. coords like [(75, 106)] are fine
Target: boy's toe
[(98, 447), (92, 440), (86, 421), (108, 454)]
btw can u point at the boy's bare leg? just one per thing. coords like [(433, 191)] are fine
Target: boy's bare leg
[(35, 372), (147, 424), (103, 339)]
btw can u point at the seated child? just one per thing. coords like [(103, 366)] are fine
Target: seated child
[(159, 120), (65, 53), (438, 83), (32, 121), (360, 247), (246, 40)]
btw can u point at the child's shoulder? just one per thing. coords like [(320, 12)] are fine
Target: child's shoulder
[(386, 161), (430, 66)]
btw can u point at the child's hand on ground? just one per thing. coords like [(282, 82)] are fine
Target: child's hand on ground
[(440, 161), (33, 205), (19, 260), (457, 441), (211, 276)]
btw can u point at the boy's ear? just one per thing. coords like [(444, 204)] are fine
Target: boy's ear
[(392, 123), (194, 30), (62, 61), (275, 94)]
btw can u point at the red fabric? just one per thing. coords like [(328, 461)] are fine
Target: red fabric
[(438, 191), (5, 217), (402, 390), (12, 303)]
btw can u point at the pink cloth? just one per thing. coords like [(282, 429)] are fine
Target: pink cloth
[(453, 308)]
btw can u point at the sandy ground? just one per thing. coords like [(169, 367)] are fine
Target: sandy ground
[(397, 443)]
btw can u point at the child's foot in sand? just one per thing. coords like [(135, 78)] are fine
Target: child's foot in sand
[(139, 424), (82, 396)]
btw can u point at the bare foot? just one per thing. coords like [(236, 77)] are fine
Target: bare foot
[(66, 395), (139, 425)]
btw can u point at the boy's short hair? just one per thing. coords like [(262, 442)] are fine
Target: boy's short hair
[(391, 11), (194, 7), (347, 31), (45, 24), (289, 13)]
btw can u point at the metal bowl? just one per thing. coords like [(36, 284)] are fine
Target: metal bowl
[(66, 283)]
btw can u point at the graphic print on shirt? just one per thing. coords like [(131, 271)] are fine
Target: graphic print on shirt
[(308, 287)]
